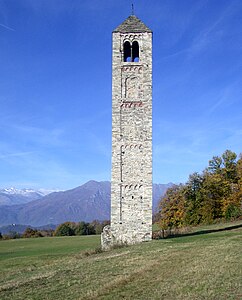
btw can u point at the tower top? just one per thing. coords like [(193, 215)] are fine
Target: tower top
[(132, 24), (132, 9)]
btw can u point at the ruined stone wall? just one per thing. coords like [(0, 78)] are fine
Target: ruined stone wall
[(131, 185)]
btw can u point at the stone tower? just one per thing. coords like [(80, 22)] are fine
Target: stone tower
[(131, 185)]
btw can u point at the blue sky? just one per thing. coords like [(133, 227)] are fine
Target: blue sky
[(55, 87)]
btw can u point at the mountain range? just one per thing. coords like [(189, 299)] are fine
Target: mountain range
[(88, 202), (12, 196)]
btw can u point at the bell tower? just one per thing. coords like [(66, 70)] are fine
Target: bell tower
[(131, 184)]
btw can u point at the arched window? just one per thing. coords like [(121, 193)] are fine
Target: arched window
[(131, 54), (127, 52), (135, 51)]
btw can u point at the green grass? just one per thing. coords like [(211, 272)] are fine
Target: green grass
[(203, 266), (53, 247)]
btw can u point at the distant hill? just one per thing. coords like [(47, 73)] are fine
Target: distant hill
[(85, 203), (21, 228), (159, 191)]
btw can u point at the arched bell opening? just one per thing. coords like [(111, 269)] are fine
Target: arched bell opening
[(127, 52), (135, 51)]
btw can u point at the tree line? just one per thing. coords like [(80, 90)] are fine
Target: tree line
[(80, 228), (215, 194), (64, 229)]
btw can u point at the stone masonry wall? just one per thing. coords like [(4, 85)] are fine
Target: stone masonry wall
[(131, 185)]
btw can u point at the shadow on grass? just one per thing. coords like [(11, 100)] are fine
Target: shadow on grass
[(177, 235)]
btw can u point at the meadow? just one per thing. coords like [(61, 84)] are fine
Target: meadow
[(205, 265)]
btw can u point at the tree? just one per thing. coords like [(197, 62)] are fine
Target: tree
[(206, 197), (214, 190), (232, 206), (229, 162), (193, 199), (46, 232), (65, 229), (239, 168), (99, 225), (31, 233), (225, 165), (90, 229), (215, 165), (81, 228), (13, 235), (172, 208)]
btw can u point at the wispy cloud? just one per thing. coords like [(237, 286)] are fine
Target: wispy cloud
[(227, 97), (39, 136), (207, 34), (6, 27), (16, 154)]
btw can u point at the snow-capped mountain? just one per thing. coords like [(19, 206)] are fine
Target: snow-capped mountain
[(12, 196)]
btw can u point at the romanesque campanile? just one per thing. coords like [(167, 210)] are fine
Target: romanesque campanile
[(131, 185)]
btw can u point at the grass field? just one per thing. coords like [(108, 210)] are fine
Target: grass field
[(202, 266)]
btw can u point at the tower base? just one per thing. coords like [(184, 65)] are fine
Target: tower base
[(111, 237)]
